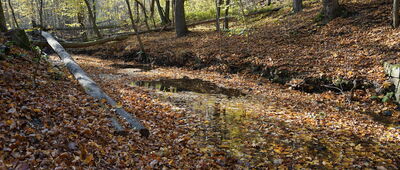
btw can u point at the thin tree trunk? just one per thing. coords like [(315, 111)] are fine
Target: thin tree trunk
[(161, 13), (152, 3), (218, 4), (144, 13), (3, 25), (94, 10), (41, 15), (13, 14), (8, 16), (81, 21), (91, 17), (226, 20), (173, 12), (180, 21), (297, 6), (167, 9), (136, 9), (395, 13), (269, 2), (141, 46)]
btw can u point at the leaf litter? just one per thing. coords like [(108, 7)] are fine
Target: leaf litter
[(50, 123)]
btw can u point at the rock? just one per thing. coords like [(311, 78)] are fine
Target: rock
[(22, 166), (278, 161), (227, 77), (381, 168), (387, 113), (72, 146), (12, 111), (153, 163)]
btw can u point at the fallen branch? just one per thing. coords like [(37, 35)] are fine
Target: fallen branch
[(85, 44), (90, 86)]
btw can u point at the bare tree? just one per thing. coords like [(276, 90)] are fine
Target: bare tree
[(330, 9), (13, 13), (164, 20), (152, 4), (93, 19), (41, 14), (226, 20), (144, 13), (136, 9), (395, 13), (167, 9), (141, 46), (173, 12), (180, 20), (3, 25), (81, 21), (218, 4), (297, 6)]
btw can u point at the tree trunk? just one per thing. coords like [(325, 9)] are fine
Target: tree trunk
[(3, 25), (81, 21), (13, 13), (226, 20), (167, 9), (152, 3), (269, 2), (141, 46), (93, 20), (94, 9), (395, 13), (180, 21), (297, 6), (161, 13), (136, 9), (90, 86), (330, 9), (144, 13), (41, 15), (218, 4), (8, 15), (173, 12)]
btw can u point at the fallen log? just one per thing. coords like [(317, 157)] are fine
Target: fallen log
[(85, 28), (90, 86), (85, 44)]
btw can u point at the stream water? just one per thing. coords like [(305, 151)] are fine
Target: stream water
[(226, 114)]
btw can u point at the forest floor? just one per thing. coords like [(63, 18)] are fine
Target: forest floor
[(50, 122)]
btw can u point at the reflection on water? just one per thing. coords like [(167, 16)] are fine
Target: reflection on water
[(226, 114), (188, 85), (138, 67)]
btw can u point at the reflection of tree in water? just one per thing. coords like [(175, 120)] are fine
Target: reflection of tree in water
[(227, 126), (185, 84)]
